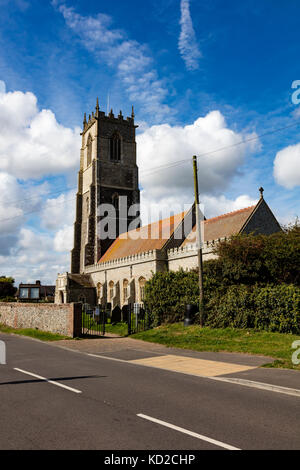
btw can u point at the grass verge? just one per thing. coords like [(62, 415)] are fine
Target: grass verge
[(263, 343), (33, 333)]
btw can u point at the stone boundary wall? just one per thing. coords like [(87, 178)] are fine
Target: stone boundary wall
[(63, 319)]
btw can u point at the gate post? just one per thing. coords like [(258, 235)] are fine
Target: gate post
[(77, 326), (129, 319)]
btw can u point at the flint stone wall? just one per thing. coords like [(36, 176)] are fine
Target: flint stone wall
[(63, 319)]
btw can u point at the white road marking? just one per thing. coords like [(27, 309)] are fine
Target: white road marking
[(49, 381), (189, 433), (109, 358)]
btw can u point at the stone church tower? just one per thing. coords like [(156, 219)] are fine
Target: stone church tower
[(108, 174)]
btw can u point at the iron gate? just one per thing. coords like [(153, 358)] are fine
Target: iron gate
[(138, 318), (93, 321)]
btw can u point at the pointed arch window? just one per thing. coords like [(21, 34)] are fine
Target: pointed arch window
[(99, 291), (89, 150), (115, 148), (125, 290), (142, 282)]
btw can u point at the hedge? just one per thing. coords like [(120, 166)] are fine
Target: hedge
[(271, 308), (167, 294)]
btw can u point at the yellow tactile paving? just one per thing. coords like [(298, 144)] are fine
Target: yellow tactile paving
[(192, 366)]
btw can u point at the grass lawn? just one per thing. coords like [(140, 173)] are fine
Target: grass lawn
[(117, 329), (263, 343), (33, 333)]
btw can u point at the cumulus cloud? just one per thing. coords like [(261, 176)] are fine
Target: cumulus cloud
[(160, 147), (287, 167), (187, 43), (35, 255), (35, 258), (64, 239), (59, 211), (131, 60), (16, 203), (32, 143), (218, 205), (11, 212)]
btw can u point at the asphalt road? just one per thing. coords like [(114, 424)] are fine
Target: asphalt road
[(115, 405)]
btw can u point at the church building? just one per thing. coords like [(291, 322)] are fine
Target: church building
[(113, 255)]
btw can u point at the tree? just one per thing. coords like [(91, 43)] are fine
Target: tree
[(7, 288)]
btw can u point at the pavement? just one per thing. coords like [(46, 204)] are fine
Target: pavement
[(198, 363)]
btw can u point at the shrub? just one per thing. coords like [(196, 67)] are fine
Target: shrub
[(264, 259), (254, 283), (271, 308), (167, 294), (7, 288)]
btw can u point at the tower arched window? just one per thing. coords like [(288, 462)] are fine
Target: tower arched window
[(89, 150), (115, 148)]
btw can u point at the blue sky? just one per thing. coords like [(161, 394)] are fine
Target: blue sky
[(201, 76)]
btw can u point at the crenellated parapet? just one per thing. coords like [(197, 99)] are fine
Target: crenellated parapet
[(152, 255), (191, 249), (110, 117)]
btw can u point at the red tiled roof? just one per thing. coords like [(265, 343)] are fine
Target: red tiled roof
[(150, 237), (222, 226)]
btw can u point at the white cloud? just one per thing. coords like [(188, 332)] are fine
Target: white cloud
[(64, 239), (2, 87), (287, 167), (187, 43), (132, 60), (165, 145), (11, 214), (59, 211), (32, 143), (34, 258), (16, 203), (214, 206)]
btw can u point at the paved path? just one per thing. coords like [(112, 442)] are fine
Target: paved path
[(238, 366)]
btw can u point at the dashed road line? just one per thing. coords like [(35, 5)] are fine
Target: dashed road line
[(189, 433), (48, 380)]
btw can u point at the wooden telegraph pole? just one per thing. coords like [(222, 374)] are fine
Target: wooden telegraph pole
[(199, 241)]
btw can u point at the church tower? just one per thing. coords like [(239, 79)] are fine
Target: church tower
[(108, 174)]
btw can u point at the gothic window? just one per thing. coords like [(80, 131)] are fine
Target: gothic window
[(125, 290), (89, 150), (99, 290), (115, 148), (111, 291), (142, 282)]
